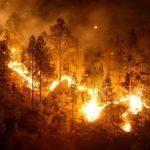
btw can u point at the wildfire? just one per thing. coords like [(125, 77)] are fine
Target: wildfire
[(13, 50), (135, 104), (91, 109), (124, 115), (56, 82), (127, 127), (23, 72)]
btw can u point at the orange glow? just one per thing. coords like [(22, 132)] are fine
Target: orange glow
[(124, 115), (13, 50), (23, 72), (91, 109), (56, 82), (127, 127), (135, 104), (95, 27)]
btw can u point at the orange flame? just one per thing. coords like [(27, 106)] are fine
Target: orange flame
[(91, 109), (127, 127), (23, 72)]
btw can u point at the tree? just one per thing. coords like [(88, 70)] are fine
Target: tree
[(39, 62), (108, 94), (132, 60), (4, 59), (42, 60), (30, 63), (133, 40), (107, 88), (62, 40)]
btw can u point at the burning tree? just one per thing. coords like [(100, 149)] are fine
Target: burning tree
[(39, 61), (31, 50), (107, 89), (108, 97), (62, 40)]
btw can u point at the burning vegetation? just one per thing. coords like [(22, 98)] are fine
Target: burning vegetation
[(57, 87)]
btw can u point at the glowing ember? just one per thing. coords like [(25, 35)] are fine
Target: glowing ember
[(127, 127)]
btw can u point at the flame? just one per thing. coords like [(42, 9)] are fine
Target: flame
[(124, 115), (21, 69), (127, 127), (13, 50), (63, 78), (91, 109), (135, 104), (23, 72)]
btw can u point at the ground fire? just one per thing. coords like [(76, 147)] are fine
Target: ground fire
[(91, 108)]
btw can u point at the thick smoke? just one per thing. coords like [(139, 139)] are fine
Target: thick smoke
[(37, 16)]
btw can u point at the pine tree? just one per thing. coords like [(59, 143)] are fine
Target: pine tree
[(31, 51), (107, 88), (39, 62), (62, 39), (132, 61), (108, 94)]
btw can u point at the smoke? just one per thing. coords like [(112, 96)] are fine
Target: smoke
[(37, 16)]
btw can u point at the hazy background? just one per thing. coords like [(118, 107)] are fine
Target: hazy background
[(37, 16)]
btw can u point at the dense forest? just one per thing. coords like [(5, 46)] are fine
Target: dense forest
[(60, 91)]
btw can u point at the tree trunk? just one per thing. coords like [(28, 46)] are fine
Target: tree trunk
[(76, 71), (40, 86), (130, 84), (60, 57), (32, 100)]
